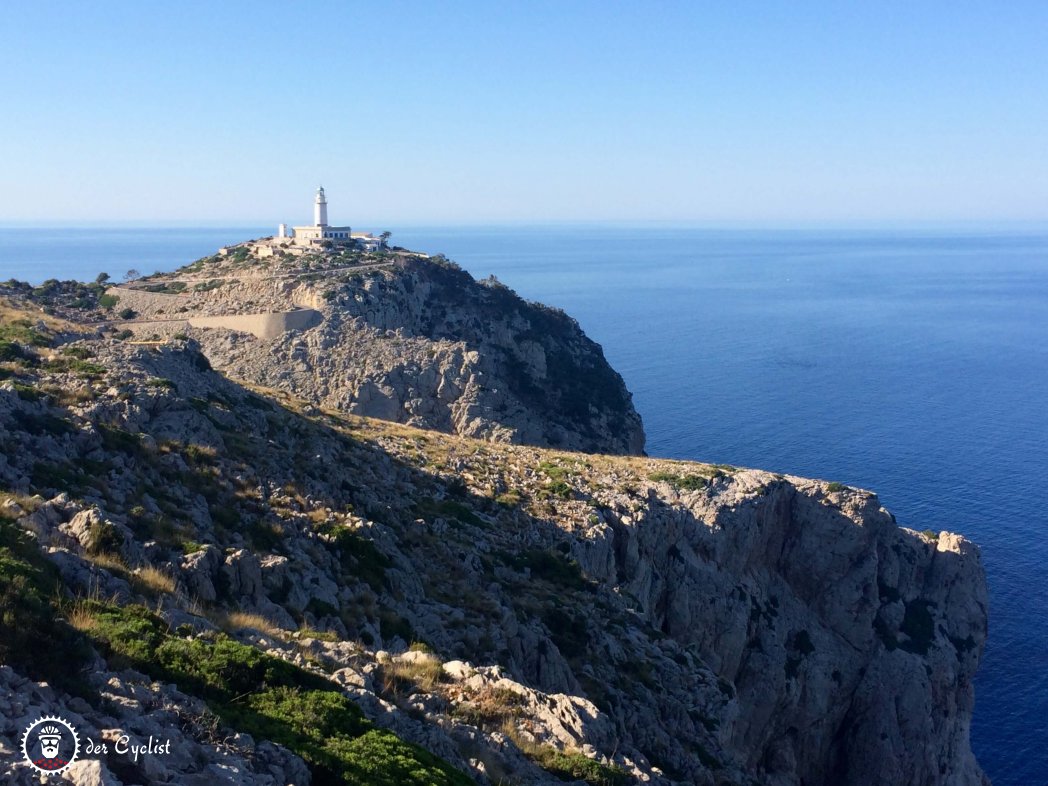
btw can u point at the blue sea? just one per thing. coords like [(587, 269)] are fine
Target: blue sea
[(911, 363)]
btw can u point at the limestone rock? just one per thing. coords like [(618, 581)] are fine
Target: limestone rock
[(681, 622), (420, 341), (199, 571)]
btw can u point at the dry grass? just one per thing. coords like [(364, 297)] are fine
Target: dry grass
[(66, 397), (81, 614), (24, 501), (424, 675), (81, 617), (233, 621), (318, 515), (491, 709), (114, 563), (146, 579), (10, 312), (484, 466), (153, 581)]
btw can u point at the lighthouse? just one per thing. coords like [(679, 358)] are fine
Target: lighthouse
[(320, 231), (320, 209)]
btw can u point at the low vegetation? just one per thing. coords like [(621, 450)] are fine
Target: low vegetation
[(571, 765), (269, 698), (689, 482), (423, 674), (34, 637)]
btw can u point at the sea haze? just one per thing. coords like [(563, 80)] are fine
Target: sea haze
[(911, 363)]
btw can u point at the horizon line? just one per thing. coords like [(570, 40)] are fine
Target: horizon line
[(984, 224)]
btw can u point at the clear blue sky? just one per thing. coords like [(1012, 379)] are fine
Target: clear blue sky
[(760, 113)]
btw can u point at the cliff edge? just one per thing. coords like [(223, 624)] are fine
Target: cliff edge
[(297, 594)]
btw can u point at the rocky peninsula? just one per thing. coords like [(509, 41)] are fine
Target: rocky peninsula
[(414, 540), (398, 336)]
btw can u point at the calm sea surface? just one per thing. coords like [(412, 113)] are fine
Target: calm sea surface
[(914, 364)]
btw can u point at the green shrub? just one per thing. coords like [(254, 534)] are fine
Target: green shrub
[(692, 482), (320, 608), (577, 767), (360, 556), (557, 488), (103, 538), (108, 302), (835, 487), (34, 638), (61, 364), (568, 631), (127, 313), (80, 353), (449, 509), (38, 425), (553, 471), (118, 440), (22, 331), (689, 482), (64, 476), (550, 566), (27, 392), (392, 625), (272, 699), (10, 351)]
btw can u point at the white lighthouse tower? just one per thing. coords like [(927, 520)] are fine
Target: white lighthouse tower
[(320, 231), (320, 209)]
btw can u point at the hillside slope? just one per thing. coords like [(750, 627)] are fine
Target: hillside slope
[(402, 337), (451, 610)]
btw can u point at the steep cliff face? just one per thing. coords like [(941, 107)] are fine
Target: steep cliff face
[(601, 619), (851, 643), (417, 341)]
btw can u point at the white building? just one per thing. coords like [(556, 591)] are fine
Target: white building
[(319, 230)]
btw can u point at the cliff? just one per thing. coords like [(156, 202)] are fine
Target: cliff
[(398, 336), (296, 594)]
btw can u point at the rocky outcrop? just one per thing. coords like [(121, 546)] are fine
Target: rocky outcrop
[(635, 619), (849, 642), (414, 340), (137, 710)]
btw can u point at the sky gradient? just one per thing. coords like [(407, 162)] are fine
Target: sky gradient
[(755, 113)]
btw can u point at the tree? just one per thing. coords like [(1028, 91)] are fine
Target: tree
[(131, 275), (102, 278), (385, 236)]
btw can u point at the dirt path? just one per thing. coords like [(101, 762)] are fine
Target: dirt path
[(219, 277)]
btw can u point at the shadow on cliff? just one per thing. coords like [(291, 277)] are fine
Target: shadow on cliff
[(478, 578)]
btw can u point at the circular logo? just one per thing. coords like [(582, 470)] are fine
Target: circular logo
[(50, 744)]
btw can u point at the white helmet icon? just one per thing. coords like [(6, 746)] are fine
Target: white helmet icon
[(50, 738)]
